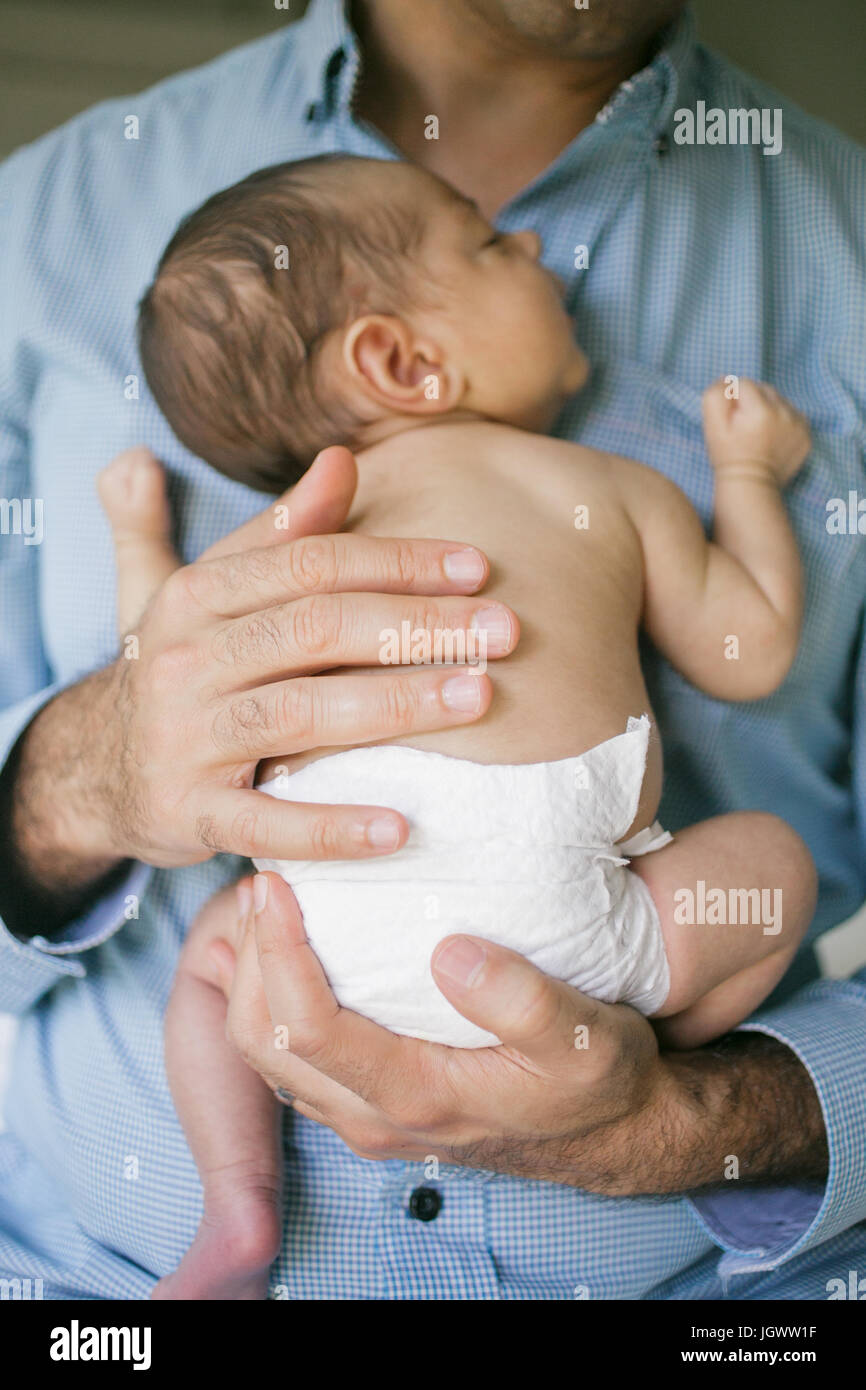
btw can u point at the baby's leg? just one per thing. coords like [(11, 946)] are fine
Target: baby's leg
[(727, 949), (231, 1122)]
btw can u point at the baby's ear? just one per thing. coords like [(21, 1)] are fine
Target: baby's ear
[(399, 370)]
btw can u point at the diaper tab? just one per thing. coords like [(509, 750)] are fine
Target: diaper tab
[(646, 841)]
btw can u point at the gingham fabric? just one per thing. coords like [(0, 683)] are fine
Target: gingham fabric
[(702, 260)]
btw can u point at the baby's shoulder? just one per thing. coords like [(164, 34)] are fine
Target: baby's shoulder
[(571, 461)]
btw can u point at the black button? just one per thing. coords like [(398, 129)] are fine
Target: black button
[(425, 1203), (661, 145), (335, 63)]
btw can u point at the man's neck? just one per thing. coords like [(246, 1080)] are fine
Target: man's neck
[(505, 108)]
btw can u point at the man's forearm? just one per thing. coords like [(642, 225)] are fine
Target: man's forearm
[(56, 850), (748, 1097)]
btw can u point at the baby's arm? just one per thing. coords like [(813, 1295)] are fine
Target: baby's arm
[(726, 613), (231, 1123)]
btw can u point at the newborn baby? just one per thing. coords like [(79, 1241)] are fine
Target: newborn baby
[(363, 302)]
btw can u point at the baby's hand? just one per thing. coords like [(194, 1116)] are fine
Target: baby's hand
[(759, 435)]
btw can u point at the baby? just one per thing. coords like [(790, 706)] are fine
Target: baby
[(365, 302)]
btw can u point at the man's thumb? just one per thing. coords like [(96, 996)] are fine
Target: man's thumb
[(319, 503), (504, 993), (316, 506)]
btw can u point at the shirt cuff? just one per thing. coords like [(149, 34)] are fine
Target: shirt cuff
[(30, 967), (760, 1228)]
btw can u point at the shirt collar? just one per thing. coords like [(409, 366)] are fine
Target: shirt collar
[(327, 43), (650, 96)]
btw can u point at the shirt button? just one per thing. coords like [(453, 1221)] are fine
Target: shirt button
[(425, 1203), (335, 62)]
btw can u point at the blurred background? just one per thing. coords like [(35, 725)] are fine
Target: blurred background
[(59, 56)]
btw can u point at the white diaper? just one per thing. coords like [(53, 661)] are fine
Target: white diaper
[(528, 855)]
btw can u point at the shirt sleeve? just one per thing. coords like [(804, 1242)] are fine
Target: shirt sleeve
[(761, 1227), (825, 1025), (29, 968)]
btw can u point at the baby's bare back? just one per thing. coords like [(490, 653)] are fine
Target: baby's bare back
[(576, 588)]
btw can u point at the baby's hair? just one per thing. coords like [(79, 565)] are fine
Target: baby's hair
[(230, 337)]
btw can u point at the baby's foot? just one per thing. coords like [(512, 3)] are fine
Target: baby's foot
[(234, 1248), (133, 493)]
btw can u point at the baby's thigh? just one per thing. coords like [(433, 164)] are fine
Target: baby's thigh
[(729, 892)]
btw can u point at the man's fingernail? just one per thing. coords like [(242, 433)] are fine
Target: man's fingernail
[(464, 567), (463, 693), (383, 833), (244, 896), (496, 623), (260, 892), (462, 961)]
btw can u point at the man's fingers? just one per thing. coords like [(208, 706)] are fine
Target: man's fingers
[(243, 583), (509, 996), (258, 826), (332, 710), (353, 1052), (261, 1039), (248, 1021), (278, 986), (324, 631), (294, 982), (318, 504)]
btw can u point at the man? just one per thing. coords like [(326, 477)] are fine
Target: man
[(523, 1175)]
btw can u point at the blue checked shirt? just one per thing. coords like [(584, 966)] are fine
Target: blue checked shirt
[(702, 260)]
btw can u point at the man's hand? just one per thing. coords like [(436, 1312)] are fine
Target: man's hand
[(578, 1092), (154, 757)]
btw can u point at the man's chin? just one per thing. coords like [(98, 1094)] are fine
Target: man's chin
[(597, 32)]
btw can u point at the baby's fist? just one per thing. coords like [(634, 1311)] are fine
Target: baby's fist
[(758, 432)]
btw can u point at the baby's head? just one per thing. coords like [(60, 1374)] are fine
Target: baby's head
[(334, 300)]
